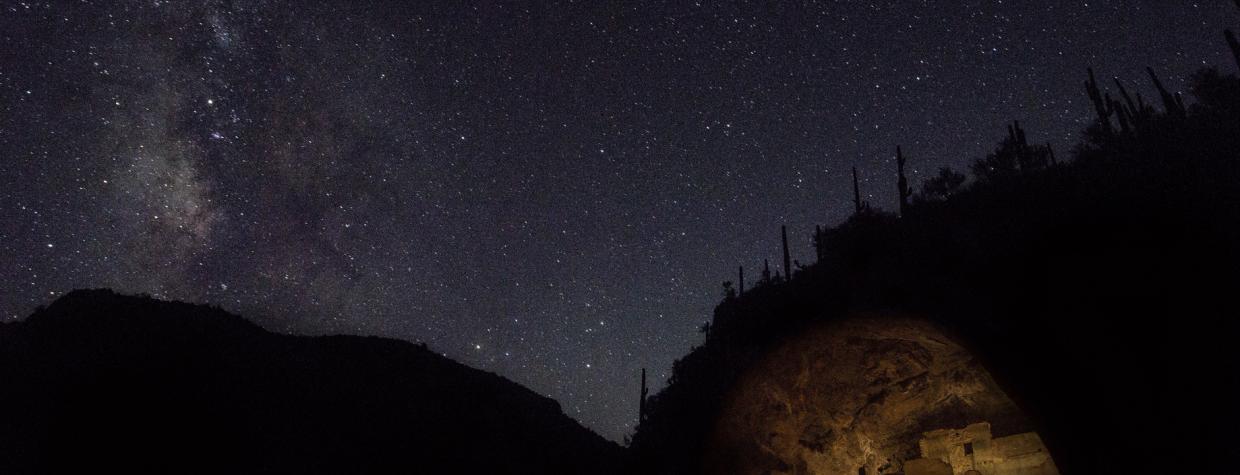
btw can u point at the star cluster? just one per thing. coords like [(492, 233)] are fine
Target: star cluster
[(549, 190)]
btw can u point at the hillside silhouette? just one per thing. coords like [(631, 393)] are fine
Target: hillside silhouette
[(1098, 287), (104, 383)]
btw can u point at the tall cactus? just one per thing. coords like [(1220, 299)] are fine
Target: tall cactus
[(1121, 114), (740, 280), (1235, 46), (641, 405), (787, 260), (820, 245), (856, 192), (1128, 111), (766, 271), (1123, 92), (902, 182), (1231, 41), (1173, 103), (1024, 155), (1101, 105)]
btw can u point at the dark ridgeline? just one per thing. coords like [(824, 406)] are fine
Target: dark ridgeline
[(103, 383), (1097, 290)]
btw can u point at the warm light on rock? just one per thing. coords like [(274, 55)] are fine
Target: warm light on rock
[(872, 396)]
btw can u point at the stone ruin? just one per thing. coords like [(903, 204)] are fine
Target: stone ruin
[(972, 451)]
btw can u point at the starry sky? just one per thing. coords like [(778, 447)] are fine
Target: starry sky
[(550, 190)]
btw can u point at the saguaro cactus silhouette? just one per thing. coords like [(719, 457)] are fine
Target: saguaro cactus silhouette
[(1235, 46), (1172, 103), (902, 182), (787, 260), (1102, 105), (1231, 41), (641, 405), (1020, 145), (820, 244), (857, 193), (1128, 111), (740, 287)]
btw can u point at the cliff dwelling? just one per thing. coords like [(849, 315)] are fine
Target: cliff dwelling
[(873, 396), (973, 451)]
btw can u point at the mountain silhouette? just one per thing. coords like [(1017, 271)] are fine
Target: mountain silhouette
[(104, 382)]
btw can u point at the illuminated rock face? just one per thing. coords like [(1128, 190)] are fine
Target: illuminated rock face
[(854, 397)]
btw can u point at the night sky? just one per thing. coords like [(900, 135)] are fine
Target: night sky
[(553, 191)]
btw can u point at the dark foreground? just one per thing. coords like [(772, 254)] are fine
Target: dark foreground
[(103, 383)]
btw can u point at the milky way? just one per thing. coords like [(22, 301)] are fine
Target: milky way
[(553, 191)]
